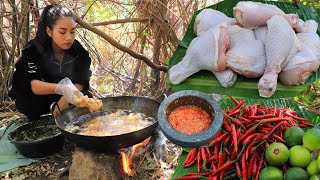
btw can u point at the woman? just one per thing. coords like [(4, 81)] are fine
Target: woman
[(47, 59)]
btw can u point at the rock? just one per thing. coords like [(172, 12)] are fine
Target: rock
[(94, 165)]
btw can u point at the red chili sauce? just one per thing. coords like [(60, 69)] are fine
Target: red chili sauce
[(189, 119)]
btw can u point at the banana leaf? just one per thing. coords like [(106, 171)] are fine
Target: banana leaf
[(228, 103), (206, 82)]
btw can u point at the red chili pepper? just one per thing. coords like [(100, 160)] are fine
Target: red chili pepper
[(273, 130), (249, 131), (238, 170), (268, 120), (279, 113), (235, 112), (259, 168), (225, 166), (193, 177), (253, 111), (191, 156), (214, 168), (204, 156), (244, 168), (234, 136), (201, 174), (233, 155), (218, 139), (212, 158), (190, 163), (245, 120), (295, 117), (237, 107), (208, 151), (227, 151), (238, 123), (261, 116), (278, 138), (250, 167), (216, 152), (255, 167), (220, 156), (306, 123), (226, 125), (199, 161), (227, 140), (234, 100)]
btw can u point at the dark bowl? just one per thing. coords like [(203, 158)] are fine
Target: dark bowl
[(37, 139), (185, 98)]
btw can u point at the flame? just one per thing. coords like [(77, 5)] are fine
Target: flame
[(127, 160), (126, 164), (136, 146)]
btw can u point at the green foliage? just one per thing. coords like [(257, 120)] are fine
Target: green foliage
[(98, 12), (206, 82)]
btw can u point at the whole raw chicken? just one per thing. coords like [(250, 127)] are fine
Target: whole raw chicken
[(300, 67), (245, 54), (310, 37), (281, 45), (255, 14), (209, 18), (206, 52)]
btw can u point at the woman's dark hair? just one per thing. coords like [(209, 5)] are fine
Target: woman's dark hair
[(50, 15)]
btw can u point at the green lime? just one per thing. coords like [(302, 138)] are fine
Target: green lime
[(271, 173), (293, 136), (277, 154), (299, 156), (296, 173), (312, 168), (311, 139), (315, 177)]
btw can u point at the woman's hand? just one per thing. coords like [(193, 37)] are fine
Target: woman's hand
[(63, 104)]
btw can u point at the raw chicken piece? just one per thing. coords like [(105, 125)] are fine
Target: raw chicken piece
[(238, 34), (281, 45), (206, 52), (227, 77), (247, 58), (245, 54), (209, 18), (300, 67), (261, 33), (310, 37), (255, 14), (301, 27)]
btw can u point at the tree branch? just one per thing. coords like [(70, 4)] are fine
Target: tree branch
[(120, 21), (115, 43)]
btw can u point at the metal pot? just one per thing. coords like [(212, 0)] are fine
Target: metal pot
[(110, 143), (43, 138)]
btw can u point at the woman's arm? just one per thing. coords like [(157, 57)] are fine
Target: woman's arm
[(42, 88)]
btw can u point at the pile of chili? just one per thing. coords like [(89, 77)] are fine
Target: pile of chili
[(189, 119), (240, 145)]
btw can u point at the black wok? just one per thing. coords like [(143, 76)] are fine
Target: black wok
[(110, 143)]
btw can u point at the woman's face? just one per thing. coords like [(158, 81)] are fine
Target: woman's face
[(63, 33)]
